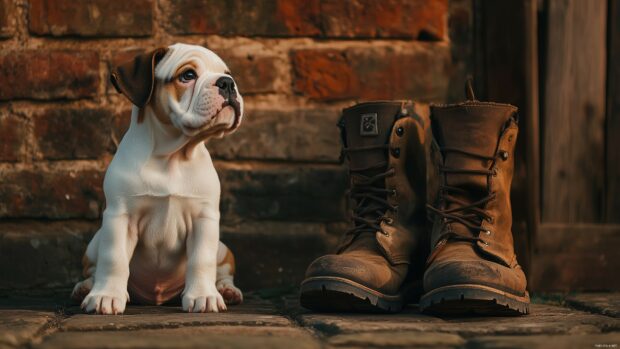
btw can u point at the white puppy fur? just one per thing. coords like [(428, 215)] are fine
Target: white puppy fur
[(160, 231)]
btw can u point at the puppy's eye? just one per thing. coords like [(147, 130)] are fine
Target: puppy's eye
[(188, 75)]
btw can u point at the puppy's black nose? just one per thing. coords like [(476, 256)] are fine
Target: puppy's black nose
[(226, 86)]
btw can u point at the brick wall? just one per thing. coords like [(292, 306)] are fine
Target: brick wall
[(297, 63)]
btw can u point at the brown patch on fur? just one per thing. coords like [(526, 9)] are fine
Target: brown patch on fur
[(85, 266), (229, 259), (180, 88)]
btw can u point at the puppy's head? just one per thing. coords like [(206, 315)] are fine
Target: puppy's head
[(187, 86)]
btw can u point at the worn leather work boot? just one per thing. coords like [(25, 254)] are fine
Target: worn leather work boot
[(473, 268), (386, 145)]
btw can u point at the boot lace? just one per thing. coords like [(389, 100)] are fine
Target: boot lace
[(470, 215), (369, 194)]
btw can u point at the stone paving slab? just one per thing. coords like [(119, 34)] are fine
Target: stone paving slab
[(601, 303), (544, 319), (594, 341), (251, 313), (397, 339), (19, 326), (185, 338)]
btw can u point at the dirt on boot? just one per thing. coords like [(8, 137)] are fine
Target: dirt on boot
[(473, 268)]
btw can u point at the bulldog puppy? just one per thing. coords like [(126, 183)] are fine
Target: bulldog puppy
[(159, 238)]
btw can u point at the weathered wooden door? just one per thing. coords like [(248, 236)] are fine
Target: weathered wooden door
[(578, 242), (559, 62)]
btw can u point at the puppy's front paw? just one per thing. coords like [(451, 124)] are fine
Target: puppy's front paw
[(210, 301), (105, 303), (230, 293)]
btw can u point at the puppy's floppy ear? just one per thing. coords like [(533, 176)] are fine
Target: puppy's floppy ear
[(136, 78)]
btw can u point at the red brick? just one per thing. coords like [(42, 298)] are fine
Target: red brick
[(73, 133), (250, 18), (297, 135), (282, 192), (7, 13), (420, 71), (48, 74), (39, 255), (125, 55), (91, 18), (460, 27), (13, 135), (421, 19), (55, 194), (296, 245), (122, 119), (253, 74), (324, 74)]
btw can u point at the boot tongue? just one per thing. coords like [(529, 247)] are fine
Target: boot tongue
[(365, 125), (475, 128), (368, 125)]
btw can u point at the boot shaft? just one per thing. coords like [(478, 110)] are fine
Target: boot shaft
[(473, 155), (390, 138), (366, 129)]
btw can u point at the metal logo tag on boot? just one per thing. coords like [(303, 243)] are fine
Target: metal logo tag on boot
[(368, 126)]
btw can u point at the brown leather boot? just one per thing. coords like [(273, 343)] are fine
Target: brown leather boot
[(386, 145), (473, 267)]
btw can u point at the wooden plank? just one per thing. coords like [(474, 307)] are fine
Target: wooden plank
[(574, 112), (530, 116), (613, 116), (501, 77), (579, 257)]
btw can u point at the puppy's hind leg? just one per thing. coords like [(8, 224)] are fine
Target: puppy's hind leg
[(82, 288), (225, 276)]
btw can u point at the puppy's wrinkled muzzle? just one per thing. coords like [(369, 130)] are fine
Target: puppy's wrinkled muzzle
[(234, 103)]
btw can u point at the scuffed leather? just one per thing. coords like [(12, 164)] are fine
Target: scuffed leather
[(486, 129), (366, 266), (458, 263), (382, 261)]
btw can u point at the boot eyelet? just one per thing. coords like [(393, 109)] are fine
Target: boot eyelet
[(393, 192), (495, 172), (400, 131), (487, 232), (485, 243), (504, 155), (490, 219), (395, 152), (389, 220)]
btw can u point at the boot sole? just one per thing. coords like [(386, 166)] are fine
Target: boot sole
[(470, 299), (335, 294)]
